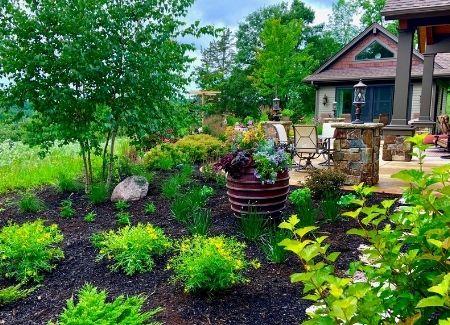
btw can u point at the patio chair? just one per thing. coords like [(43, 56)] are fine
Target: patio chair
[(306, 145), (327, 142), (442, 139)]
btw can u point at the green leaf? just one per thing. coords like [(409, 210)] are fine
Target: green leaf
[(301, 277), (303, 231), (290, 224), (435, 242), (357, 232), (352, 214), (311, 297), (433, 301), (333, 256)]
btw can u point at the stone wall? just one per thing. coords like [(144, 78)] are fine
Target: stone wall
[(357, 149), (396, 149)]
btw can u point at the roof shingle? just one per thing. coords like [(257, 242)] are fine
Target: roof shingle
[(396, 8)]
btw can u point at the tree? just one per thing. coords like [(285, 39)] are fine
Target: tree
[(92, 68), (371, 13), (341, 23)]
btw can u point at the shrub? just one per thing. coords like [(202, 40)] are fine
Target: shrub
[(302, 201), (14, 293), (323, 181), (123, 218), (270, 245), (92, 308), (132, 248), (173, 185), (99, 193), (252, 225), (66, 209), (330, 208), (90, 217), (121, 205), (200, 147), (346, 201), (65, 183), (210, 175), (200, 221), (30, 203), (163, 157), (150, 208), (28, 250), (209, 264), (186, 204)]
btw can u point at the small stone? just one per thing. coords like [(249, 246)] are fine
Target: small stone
[(131, 189)]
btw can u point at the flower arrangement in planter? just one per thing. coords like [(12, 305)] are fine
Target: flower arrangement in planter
[(258, 178)]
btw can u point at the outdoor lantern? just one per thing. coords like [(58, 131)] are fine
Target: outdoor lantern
[(335, 109), (276, 105), (325, 100), (359, 100)]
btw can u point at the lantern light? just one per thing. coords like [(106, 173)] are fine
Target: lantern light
[(359, 100)]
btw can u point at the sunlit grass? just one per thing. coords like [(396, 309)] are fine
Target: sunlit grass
[(22, 168)]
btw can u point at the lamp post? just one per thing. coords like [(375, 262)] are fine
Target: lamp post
[(359, 100), (276, 109)]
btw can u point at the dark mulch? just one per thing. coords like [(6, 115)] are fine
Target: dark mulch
[(269, 298)]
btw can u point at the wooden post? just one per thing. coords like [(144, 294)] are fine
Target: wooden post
[(427, 90)]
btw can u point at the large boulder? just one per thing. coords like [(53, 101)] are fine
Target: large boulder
[(132, 188)]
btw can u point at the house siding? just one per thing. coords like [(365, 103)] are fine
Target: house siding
[(324, 111)]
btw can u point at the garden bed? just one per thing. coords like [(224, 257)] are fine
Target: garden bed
[(269, 298)]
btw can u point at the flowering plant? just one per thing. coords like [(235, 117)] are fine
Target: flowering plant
[(250, 149)]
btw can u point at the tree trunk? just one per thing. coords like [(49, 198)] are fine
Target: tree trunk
[(105, 153), (85, 167), (89, 165), (111, 159)]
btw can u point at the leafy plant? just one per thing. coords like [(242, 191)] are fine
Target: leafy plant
[(14, 293), (172, 186), (28, 250), (418, 141), (90, 217), (269, 161), (346, 201), (270, 245), (209, 264), (252, 225), (30, 203), (183, 208), (211, 175), (99, 193), (123, 218), (66, 209), (330, 209), (68, 184), (121, 205), (200, 147), (200, 221), (150, 208), (323, 181), (92, 308), (132, 249), (302, 201)]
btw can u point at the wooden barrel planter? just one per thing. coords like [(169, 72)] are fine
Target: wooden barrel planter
[(248, 195)]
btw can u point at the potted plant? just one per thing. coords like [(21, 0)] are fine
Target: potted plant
[(257, 173)]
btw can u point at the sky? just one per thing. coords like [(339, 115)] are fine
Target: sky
[(228, 13)]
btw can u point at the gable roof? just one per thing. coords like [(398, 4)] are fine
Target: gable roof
[(415, 8), (327, 74)]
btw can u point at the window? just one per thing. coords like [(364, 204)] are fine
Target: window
[(375, 51), (344, 99)]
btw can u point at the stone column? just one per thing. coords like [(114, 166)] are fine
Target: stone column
[(357, 152), (395, 148)]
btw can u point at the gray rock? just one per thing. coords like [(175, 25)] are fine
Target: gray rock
[(131, 189)]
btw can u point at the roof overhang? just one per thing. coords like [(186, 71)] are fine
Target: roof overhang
[(417, 13)]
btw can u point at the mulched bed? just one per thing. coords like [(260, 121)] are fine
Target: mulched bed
[(269, 298)]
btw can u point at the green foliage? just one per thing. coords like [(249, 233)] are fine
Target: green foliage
[(66, 184), (186, 204), (200, 221), (150, 208), (209, 264), (173, 185), (30, 203), (14, 293), (121, 205), (132, 249), (90, 217), (270, 161), (210, 175), (92, 308), (28, 250), (340, 22), (252, 225), (418, 141), (330, 208), (347, 200), (66, 209), (99, 193), (162, 157), (123, 218), (270, 245), (323, 181), (303, 203)]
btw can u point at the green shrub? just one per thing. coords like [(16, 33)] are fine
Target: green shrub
[(90, 217), (121, 205), (270, 245), (123, 218), (14, 293), (302, 201), (150, 208), (92, 308), (323, 181), (28, 250), (346, 201), (183, 208), (163, 157), (66, 209), (30, 203), (252, 225), (200, 147), (209, 264), (99, 193), (330, 207), (173, 185), (210, 175), (200, 222), (132, 248), (65, 183)]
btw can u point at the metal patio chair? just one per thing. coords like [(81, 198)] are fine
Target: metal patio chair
[(306, 145), (327, 142)]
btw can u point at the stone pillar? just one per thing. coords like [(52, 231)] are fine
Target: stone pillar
[(395, 148), (357, 152)]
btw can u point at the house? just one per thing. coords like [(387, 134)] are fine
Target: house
[(372, 58)]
